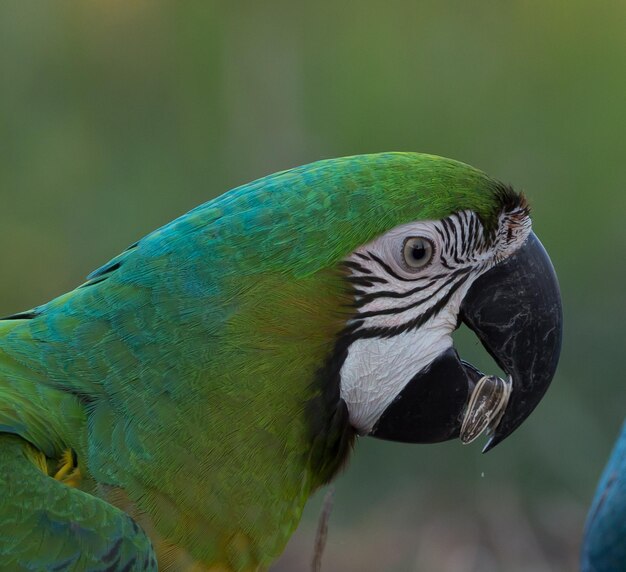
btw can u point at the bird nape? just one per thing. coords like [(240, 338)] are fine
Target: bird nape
[(182, 404)]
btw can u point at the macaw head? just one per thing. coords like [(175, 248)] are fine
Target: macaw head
[(427, 244), (347, 278)]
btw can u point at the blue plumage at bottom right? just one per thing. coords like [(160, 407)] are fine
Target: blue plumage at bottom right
[(604, 543)]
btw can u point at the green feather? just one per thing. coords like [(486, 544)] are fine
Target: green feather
[(188, 372)]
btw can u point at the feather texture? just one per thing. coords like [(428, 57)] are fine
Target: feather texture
[(189, 374)]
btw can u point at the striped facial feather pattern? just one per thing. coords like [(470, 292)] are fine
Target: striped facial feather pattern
[(392, 297), (408, 286)]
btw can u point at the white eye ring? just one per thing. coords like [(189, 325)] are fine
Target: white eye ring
[(417, 252)]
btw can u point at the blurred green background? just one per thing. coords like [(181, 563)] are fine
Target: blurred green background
[(118, 115)]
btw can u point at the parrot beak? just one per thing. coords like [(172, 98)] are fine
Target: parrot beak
[(515, 311)]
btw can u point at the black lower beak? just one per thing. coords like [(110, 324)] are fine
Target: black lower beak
[(430, 407), (515, 310)]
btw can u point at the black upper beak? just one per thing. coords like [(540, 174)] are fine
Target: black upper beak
[(515, 310)]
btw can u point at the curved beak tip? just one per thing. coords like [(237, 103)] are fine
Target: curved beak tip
[(515, 310)]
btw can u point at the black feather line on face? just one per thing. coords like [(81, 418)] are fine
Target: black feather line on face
[(356, 266), (447, 238), (444, 263), (415, 323), (401, 309), (462, 218), (366, 298), (455, 255), (473, 232), (366, 280), (441, 234)]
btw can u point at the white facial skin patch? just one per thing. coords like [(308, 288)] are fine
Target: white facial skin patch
[(406, 314), (377, 369)]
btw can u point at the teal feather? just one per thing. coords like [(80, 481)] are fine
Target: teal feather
[(604, 544), (184, 371)]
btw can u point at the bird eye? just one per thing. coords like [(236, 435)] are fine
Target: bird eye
[(417, 252)]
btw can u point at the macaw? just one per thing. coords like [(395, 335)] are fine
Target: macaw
[(604, 544), (179, 407)]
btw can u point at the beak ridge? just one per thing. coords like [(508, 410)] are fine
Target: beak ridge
[(515, 310)]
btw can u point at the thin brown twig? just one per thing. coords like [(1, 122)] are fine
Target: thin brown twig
[(322, 530)]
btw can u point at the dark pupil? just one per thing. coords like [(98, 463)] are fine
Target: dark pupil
[(418, 251)]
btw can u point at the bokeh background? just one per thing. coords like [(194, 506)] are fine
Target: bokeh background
[(117, 115)]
